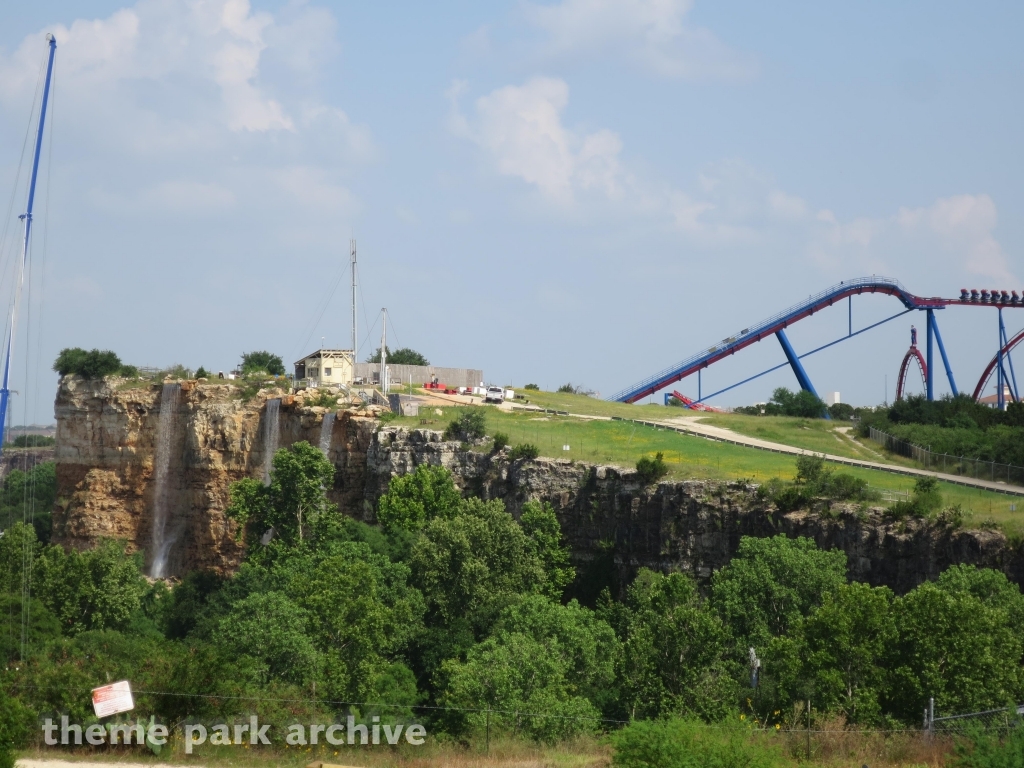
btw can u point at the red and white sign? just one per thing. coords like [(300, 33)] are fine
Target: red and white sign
[(111, 699)]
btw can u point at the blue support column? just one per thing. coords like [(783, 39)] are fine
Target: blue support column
[(796, 365), (942, 351), (1000, 403), (1004, 341), (930, 325)]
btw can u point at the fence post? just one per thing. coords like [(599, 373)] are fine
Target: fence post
[(931, 716), (808, 729)]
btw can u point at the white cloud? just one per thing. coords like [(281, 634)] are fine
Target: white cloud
[(963, 224), (954, 236), (520, 129), (784, 206), (522, 132), (653, 33), (218, 43)]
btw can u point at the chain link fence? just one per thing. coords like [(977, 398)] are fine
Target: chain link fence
[(950, 465), (1000, 720)]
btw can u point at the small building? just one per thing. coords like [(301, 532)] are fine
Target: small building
[(325, 367), (992, 401), (832, 398)]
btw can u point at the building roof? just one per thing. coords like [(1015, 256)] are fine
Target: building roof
[(321, 353)]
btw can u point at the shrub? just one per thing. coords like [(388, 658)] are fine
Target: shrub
[(500, 441), (254, 362), (926, 499), (32, 441), (403, 356), (651, 470), (802, 403), (678, 743), (468, 425), (94, 364), (129, 372), (202, 373), (532, 387), (567, 389), (527, 451), (983, 749)]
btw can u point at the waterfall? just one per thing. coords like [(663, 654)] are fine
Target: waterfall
[(164, 535), (271, 435), (325, 432)]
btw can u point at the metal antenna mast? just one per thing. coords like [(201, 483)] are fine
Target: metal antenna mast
[(26, 218), (384, 354), (355, 340)]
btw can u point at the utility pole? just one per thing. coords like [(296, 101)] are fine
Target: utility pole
[(352, 258), (384, 354)]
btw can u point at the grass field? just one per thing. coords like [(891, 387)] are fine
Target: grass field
[(830, 748), (688, 457)]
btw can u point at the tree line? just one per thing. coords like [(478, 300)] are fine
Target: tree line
[(454, 612)]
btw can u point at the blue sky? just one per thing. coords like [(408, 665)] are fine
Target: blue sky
[(584, 191)]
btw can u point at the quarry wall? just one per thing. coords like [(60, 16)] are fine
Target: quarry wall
[(106, 440)]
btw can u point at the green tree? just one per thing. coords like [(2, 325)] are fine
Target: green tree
[(33, 441), (525, 680), (650, 470), (771, 583), (988, 585), (468, 425), (473, 564), (255, 362), (673, 651), (955, 647), (30, 495), (294, 504), (846, 643), (100, 588), (500, 441), (18, 549), (202, 373), (540, 524), (586, 643), (361, 611), (41, 626), (403, 356), (416, 497), (271, 630), (94, 364), (16, 722), (802, 403)]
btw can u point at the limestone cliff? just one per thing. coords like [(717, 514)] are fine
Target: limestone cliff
[(106, 448), (612, 520), (106, 451)]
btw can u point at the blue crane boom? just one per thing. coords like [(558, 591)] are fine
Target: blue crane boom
[(5, 391)]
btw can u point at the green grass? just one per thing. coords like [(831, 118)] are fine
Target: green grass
[(816, 435), (622, 443)]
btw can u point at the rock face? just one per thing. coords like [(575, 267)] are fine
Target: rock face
[(23, 459), (106, 450), (615, 523), (106, 445)]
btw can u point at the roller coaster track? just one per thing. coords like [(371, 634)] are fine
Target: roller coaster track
[(779, 322)]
